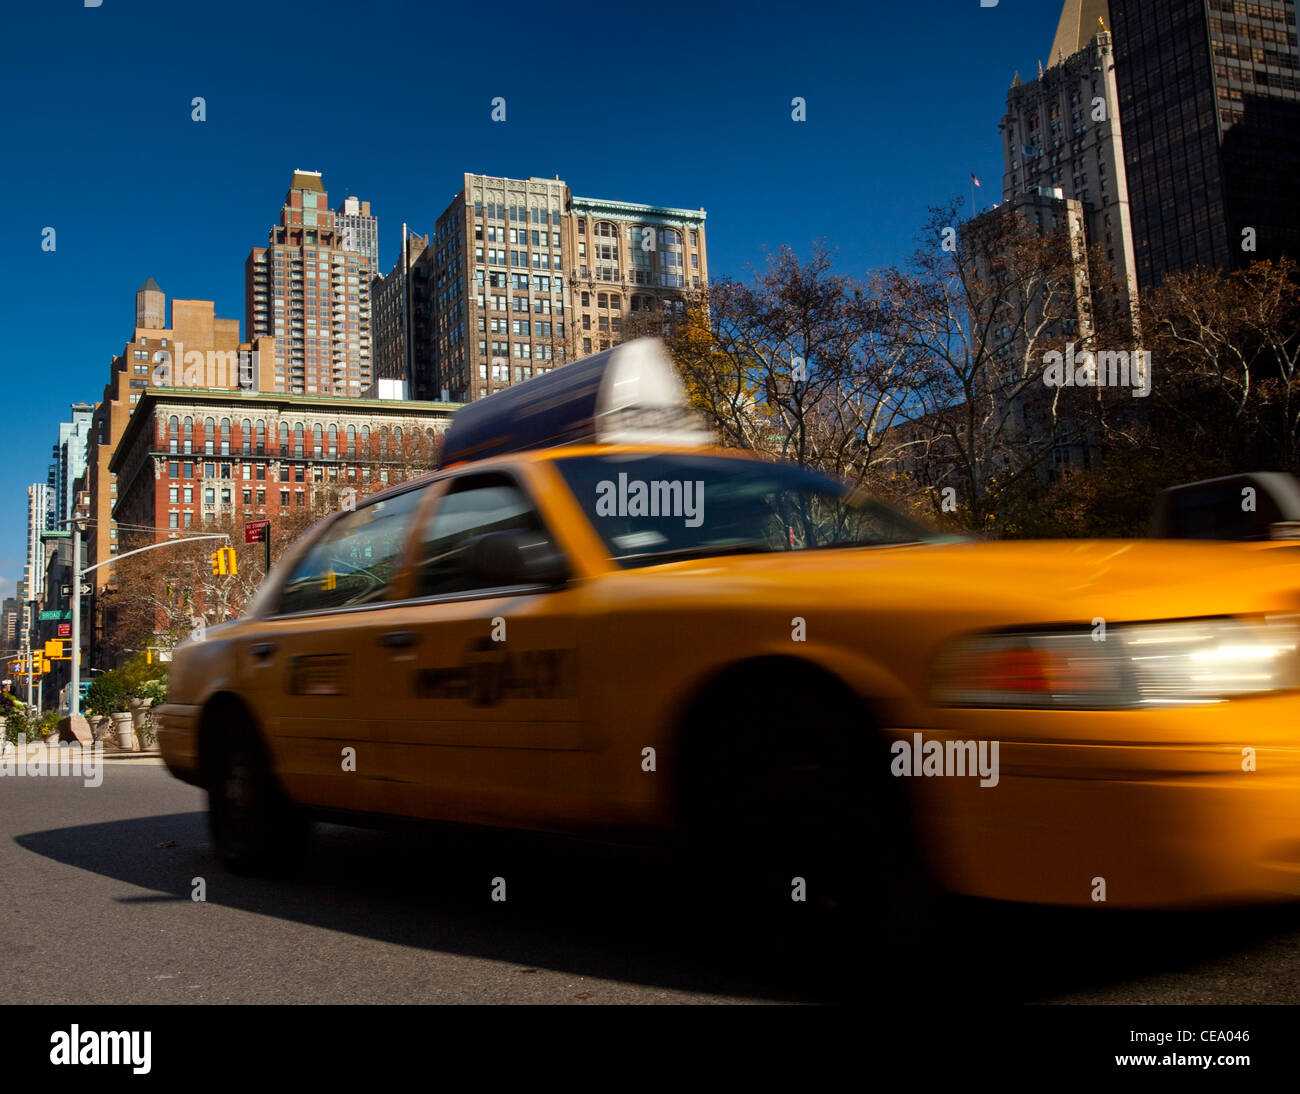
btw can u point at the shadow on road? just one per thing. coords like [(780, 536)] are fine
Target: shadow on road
[(629, 916)]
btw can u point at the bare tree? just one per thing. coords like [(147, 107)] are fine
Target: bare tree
[(795, 366), (982, 308)]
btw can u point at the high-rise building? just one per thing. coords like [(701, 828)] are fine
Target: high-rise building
[(520, 277), (1209, 91), (402, 340), (312, 294), (1063, 131), (10, 619), (34, 565), (496, 284), (627, 258), (359, 230), (69, 461)]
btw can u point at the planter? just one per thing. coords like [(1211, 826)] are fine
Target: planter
[(123, 731), (142, 720), (98, 726)]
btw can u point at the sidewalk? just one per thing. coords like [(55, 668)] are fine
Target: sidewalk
[(38, 751)]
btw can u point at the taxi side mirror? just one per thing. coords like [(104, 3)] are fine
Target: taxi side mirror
[(516, 558)]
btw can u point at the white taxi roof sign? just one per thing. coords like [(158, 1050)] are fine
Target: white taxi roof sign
[(630, 394)]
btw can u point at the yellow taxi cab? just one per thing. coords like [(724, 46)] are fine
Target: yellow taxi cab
[(575, 629)]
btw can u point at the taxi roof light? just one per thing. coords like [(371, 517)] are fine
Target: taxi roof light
[(630, 394)]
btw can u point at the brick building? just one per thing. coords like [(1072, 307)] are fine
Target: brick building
[(189, 458)]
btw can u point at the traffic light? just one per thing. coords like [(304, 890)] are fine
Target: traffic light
[(45, 665), (224, 561)]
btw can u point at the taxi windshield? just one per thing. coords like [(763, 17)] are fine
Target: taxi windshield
[(655, 508)]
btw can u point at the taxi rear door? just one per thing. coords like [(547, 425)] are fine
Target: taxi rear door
[(481, 684)]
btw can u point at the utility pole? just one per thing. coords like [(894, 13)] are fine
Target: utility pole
[(74, 689)]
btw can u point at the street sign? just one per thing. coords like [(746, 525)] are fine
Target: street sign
[(66, 590), (255, 531), (65, 630), (56, 614)]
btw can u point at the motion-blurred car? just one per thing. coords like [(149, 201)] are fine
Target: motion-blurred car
[(1262, 508), (566, 630)]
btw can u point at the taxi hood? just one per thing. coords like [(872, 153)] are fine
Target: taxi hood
[(1041, 580)]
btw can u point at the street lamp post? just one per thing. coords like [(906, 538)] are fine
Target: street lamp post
[(74, 689), (74, 703)]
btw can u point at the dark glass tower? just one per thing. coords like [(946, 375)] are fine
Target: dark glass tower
[(1209, 94)]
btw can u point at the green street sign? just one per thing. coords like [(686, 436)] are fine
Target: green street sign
[(57, 614)]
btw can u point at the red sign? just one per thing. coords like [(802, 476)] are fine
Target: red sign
[(65, 630), (257, 531)]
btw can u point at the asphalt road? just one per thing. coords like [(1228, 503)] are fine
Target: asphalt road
[(96, 907)]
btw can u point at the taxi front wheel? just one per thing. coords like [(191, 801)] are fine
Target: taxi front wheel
[(255, 829)]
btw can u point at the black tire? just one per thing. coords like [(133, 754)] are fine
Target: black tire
[(786, 777), (255, 829)]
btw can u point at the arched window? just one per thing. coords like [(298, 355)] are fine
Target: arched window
[(352, 438), (284, 438), (224, 436), (316, 437), (209, 434), (261, 437), (383, 442), (297, 439), (334, 439), (246, 437), (187, 437), (173, 432), (669, 239), (365, 440)]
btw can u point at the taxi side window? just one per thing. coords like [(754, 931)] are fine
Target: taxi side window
[(354, 560), (473, 506)]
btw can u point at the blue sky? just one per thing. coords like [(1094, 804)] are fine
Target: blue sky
[(678, 105)]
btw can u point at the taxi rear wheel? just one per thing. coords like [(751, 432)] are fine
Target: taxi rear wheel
[(255, 829)]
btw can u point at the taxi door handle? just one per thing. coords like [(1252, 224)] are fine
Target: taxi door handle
[(262, 650), (398, 639)]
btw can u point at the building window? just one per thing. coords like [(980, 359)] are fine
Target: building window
[(173, 520), (284, 498)]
